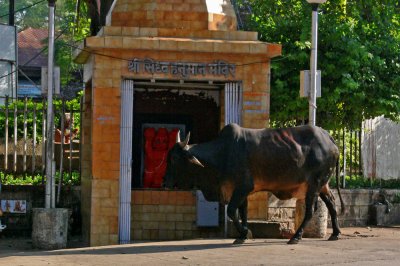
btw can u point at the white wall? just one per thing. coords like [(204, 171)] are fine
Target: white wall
[(380, 148)]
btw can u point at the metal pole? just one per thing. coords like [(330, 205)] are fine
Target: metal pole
[(71, 116), (34, 140), (344, 158), (25, 134), (44, 138), (49, 143), (6, 137), (15, 134), (11, 11), (312, 101), (61, 150)]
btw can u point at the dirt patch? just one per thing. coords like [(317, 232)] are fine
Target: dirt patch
[(369, 232)]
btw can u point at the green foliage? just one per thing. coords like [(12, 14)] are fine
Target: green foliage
[(10, 179), (355, 182), (358, 53), (31, 105), (74, 23), (350, 140), (33, 13), (71, 26)]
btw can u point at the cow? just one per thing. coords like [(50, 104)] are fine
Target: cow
[(288, 162)]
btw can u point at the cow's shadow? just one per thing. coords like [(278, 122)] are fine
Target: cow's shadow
[(151, 247)]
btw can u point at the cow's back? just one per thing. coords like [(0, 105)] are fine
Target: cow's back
[(289, 156), (282, 161)]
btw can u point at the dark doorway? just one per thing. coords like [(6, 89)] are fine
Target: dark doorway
[(191, 110)]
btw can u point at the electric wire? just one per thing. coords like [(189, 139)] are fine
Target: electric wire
[(105, 55), (125, 59), (32, 58), (21, 9)]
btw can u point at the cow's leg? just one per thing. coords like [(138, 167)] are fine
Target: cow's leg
[(310, 199), (243, 217), (239, 196), (329, 200)]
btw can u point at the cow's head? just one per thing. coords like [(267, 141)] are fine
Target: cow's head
[(181, 166)]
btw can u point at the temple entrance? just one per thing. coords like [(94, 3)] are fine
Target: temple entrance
[(160, 110)]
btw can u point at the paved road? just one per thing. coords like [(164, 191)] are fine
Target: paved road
[(357, 246)]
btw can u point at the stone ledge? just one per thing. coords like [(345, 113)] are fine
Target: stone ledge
[(183, 44), (177, 33)]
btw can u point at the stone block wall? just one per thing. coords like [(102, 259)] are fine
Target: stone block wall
[(357, 202), (383, 215), (281, 210), (167, 215), (171, 215), (179, 14), (358, 205)]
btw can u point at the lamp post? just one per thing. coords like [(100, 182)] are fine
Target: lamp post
[(312, 100), (50, 189), (50, 224), (318, 223)]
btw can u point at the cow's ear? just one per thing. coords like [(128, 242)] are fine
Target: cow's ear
[(195, 161)]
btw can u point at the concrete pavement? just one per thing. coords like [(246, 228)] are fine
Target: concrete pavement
[(357, 246)]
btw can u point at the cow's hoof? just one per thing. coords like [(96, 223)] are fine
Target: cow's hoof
[(293, 241), (333, 238), (239, 241)]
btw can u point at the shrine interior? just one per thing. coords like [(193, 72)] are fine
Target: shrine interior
[(162, 108)]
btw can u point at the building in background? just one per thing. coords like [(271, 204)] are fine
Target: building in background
[(8, 62), (31, 59)]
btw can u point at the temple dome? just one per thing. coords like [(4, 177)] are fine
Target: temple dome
[(175, 14)]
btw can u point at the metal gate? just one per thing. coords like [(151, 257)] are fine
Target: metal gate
[(233, 103)]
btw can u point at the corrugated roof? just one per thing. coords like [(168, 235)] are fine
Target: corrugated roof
[(32, 38), (30, 43)]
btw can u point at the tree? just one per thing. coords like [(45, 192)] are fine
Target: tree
[(29, 13), (71, 23), (358, 53), (98, 10)]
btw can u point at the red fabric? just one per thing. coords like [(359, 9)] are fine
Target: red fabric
[(156, 147)]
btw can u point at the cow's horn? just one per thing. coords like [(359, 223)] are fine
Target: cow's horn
[(196, 161), (186, 141), (178, 138)]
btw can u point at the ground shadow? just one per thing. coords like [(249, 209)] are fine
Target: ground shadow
[(147, 247)]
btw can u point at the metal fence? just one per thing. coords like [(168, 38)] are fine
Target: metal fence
[(349, 141), (23, 136)]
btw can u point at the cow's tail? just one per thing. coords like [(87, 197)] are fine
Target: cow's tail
[(338, 188)]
